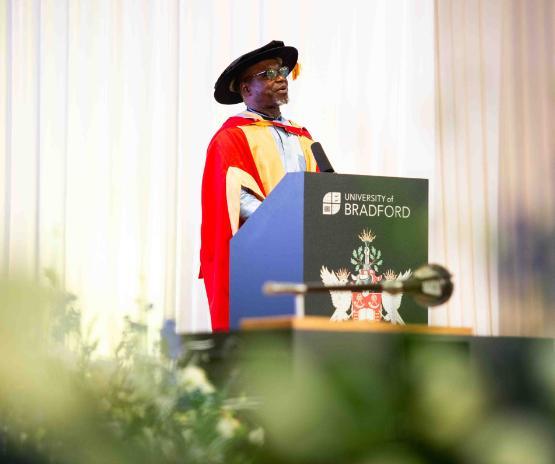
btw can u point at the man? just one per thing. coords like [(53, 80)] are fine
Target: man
[(246, 159)]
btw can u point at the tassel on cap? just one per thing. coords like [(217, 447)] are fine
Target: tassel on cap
[(296, 71)]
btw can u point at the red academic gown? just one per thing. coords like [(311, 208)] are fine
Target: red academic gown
[(243, 153)]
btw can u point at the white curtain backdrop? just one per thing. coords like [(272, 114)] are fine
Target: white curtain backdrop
[(496, 163), (107, 110), (527, 169), (465, 234)]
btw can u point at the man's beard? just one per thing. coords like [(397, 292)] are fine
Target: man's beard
[(282, 100)]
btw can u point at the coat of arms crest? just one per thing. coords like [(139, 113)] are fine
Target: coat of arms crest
[(364, 305)]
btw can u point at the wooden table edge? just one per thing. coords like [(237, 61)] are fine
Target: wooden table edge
[(315, 323)]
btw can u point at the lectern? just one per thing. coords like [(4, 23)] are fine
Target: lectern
[(332, 228)]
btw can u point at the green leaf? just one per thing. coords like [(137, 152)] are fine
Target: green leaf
[(375, 268), (373, 250), (354, 261), (380, 262), (379, 254), (355, 253), (360, 250)]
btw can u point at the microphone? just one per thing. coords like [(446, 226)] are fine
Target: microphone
[(321, 159), (429, 285)]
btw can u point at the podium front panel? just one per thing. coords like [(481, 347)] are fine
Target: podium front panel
[(364, 229)]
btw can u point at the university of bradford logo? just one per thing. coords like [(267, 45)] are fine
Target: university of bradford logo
[(367, 261), (331, 204)]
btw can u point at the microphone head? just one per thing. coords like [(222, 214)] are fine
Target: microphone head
[(434, 285), (321, 159)]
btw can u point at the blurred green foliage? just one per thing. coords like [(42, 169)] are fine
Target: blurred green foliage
[(326, 399), (60, 402), (371, 399)]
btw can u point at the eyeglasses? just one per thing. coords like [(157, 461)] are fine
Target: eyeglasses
[(272, 73)]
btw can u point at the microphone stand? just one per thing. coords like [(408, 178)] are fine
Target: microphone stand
[(430, 285)]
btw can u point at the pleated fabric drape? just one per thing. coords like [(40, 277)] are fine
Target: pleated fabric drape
[(495, 66), (527, 169), (468, 46)]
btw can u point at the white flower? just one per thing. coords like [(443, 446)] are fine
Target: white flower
[(256, 436), (227, 426), (194, 378)]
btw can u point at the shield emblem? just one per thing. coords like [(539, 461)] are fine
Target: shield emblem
[(366, 306)]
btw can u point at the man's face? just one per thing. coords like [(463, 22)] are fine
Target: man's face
[(260, 92)]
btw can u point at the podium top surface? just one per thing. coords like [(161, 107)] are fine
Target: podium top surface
[(323, 324)]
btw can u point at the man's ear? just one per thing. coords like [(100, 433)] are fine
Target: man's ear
[(244, 88)]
